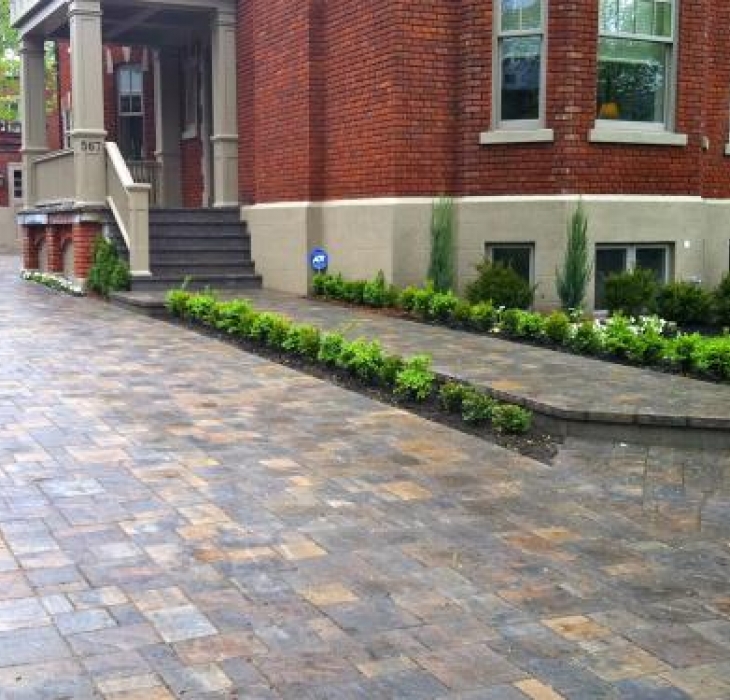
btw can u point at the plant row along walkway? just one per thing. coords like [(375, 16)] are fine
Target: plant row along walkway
[(641, 341), (409, 381)]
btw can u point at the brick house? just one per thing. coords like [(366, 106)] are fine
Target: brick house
[(335, 124), (10, 185)]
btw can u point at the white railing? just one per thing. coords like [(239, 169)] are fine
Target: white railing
[(52, 177), (130, 205)]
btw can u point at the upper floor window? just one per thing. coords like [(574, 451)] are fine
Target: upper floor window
[(521, 63), (635, 61)]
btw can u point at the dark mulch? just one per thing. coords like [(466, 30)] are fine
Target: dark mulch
[(534, 444)]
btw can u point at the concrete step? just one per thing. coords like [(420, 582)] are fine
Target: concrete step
[(195, 269), (159, 282), (198, 216), (203, 256)]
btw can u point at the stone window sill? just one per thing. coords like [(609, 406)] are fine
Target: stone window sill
[(637, 137), (501, 136)]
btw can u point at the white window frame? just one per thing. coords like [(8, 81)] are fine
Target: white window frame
[(490, 246), (127, 67), (670, 80), (524, 125), (15, 171)]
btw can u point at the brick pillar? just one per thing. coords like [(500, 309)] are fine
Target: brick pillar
[(53, 241), (83, 236), (30, 249)]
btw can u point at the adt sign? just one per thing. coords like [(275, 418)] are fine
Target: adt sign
[(319, 260)]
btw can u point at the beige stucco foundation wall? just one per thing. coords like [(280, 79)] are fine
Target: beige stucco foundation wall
[(364, 236), (9, 232)]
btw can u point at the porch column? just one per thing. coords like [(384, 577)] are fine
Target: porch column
[(33, 111), (225, 110), (87, 96), (167, 126)]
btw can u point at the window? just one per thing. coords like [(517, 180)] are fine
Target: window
[(15, 177), (521, 64), (635, 61), (518, 256), (611, 259), (191, 97), (130, 111)]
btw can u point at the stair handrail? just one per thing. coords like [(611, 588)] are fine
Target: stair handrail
[(129, 202)]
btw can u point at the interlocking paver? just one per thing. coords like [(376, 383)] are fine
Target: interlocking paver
[(179, 519)]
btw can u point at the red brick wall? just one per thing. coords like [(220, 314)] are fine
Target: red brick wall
[(191, 154), (354, 99)]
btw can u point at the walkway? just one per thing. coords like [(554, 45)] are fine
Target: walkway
[(181, 519), (554, 383)]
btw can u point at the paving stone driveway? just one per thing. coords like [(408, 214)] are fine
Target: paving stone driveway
[(180, 519)]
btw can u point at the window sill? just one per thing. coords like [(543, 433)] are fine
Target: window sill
[(500, 136), (727, 149), (602, 134)]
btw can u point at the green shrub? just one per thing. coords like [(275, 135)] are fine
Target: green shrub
[(484, 316), (407, 298), (415, 380), (451, 396), (461, 314), (510, 419), (353, 291), (557, 327), (684, 351), (228, 314), (477, 408), (618, 337), (302, 340), (501, 285), (511, 322), (330, 347), (333, 286), (108, 273), (202, 307), (270, 328), (177, 301), (442, 306), (392, 365), (632, 293), (422, 300), (684, 303), (586, 338), (441, 265), (362, 359), (532, 325), (721, 301), (713, 356), (376, 292), (572, 279), (319, 283)]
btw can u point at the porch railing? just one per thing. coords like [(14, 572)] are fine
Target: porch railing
[(147, 172), (130, 203), (53, 177)]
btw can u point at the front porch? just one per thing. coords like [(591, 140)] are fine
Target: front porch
[(148, 121)]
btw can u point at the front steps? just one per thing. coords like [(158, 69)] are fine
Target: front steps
[(205, 247)]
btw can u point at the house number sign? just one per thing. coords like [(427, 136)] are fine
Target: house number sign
[(91, 146)]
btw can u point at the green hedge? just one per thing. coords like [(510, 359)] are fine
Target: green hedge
[(364, 360), (642, 342)]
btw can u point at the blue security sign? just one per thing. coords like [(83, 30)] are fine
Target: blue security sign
[(319, 260)]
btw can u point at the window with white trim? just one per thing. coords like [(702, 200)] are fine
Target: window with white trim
[(636, 48), (15, 178), (520, 73), (130, 111)]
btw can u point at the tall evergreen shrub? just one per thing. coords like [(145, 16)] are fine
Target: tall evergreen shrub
[(441, 266), (572, 279)]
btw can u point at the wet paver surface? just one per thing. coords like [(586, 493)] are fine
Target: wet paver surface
[(179, 519)]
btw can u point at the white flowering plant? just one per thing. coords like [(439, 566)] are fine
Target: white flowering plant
[(54, 280)]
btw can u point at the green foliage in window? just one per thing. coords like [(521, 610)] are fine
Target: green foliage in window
[(632, 293), (684, 303)]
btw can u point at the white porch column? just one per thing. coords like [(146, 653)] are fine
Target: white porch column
[(33, 111), (225, 124), (87, 96), (167, 125)]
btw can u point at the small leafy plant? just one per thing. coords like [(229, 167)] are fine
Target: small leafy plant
[(510, 419), (415, 380), (108, 272)]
